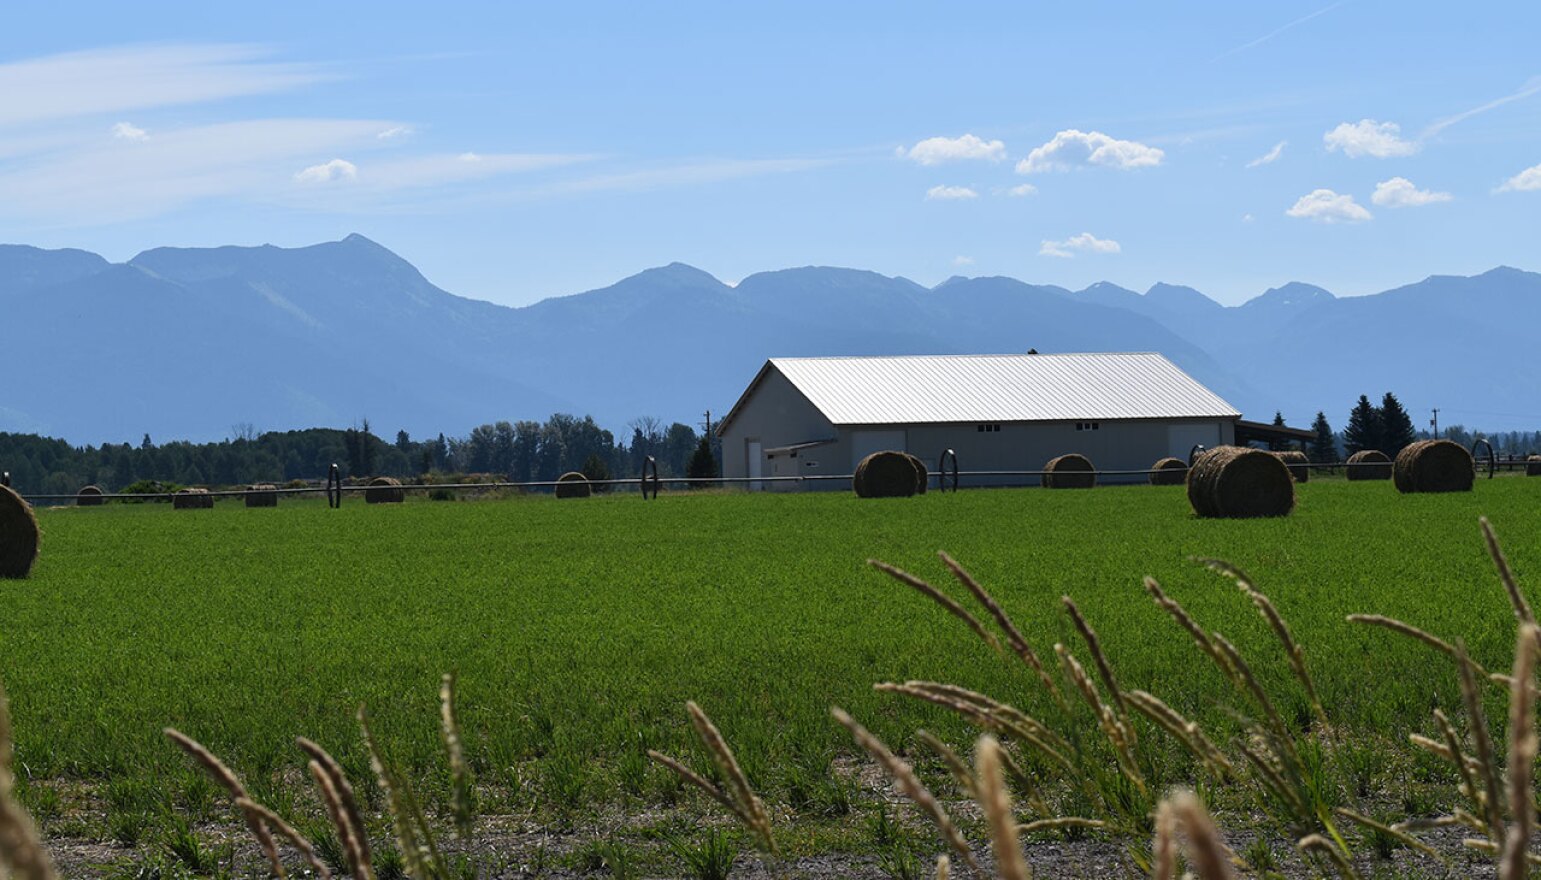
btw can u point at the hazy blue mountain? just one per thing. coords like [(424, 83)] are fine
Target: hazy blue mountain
[(189, 342)]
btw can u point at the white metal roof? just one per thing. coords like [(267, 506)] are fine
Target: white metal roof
[(1000, 388)]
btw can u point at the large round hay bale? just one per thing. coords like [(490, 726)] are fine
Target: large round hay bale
[(1369, 464), (1533, 465), (262, 495), (885, 474), (1296, 461), (89, 496), (1071, 471), (18, 535), (1169, 472), (192, 499), (922, 476), (573, 485), (1433, 466), (1236, 482), (384, 490)]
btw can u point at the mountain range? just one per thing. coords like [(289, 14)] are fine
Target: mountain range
[(187, 343)]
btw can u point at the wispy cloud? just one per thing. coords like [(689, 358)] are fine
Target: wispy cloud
[(1071, 148), (1085, 243), (1022, 190), (937, 150), (396, 131), (328, 172), (1399, 192), (1276, 32), (1326, 206), (1528, 180), (113, 81), (1269, 157), (950, 193), (125, 131), (1380, 140), (961, 261), (1531, 87)]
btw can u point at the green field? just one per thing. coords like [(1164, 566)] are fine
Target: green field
[(579, 628)]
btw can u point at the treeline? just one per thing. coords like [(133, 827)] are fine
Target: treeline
[(523, 451), (1388, 428)]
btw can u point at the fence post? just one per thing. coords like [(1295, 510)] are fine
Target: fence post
[(5, 479)]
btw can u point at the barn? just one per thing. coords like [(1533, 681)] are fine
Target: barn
[(820, 416)]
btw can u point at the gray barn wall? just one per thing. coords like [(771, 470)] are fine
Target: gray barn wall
[(776, 414)]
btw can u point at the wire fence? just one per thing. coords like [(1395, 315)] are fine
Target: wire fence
[(946, 477)]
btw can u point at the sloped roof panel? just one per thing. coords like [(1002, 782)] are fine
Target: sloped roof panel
[(1000, 388)]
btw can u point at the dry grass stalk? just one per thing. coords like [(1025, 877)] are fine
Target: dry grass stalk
[(1511, 586), (21, 848), (1163, 848), (943, 868), (910, 784), (1104, 670), (750, 809), (1117, 733), (1522, 755), (1411, 631), (939, 598), (1207, 852), (256, 812), (1483, 744), (1281, 630), (1180, 614), (223, 775), (1187, 732), (1269, 772), (1282, 743), (697, 780), (996, 802), (419, 851), (1317, 844), (955, 765), (1059, 822), (1392, 831), (335, 788), (995, 714), (1014, 637), (459, 772)]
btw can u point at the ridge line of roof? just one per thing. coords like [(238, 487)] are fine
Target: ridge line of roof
[(898, 357)]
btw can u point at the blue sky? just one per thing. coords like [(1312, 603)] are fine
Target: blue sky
[(514, 152)]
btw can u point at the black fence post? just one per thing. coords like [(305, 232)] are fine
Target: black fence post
[(649, 468), (1194, 453), (334, 487), (5, 479)]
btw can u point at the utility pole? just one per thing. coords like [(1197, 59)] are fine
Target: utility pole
[(1434, 423)]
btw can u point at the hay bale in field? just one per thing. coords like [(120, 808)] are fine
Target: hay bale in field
[(89, 496), (18, 535), (1296, 461), (886, 474), (192, 499), (1071, 471), (1533, 465), (1369, 464), (1236, 482), (1169, 472), (922, 476), (1433, 466), (573, 485), (384, 490), (262, 495)]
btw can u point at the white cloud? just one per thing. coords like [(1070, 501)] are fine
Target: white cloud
[(1071, 147), (126, 131), (1085, 243), (1326, 206), (327, 172), (1399, 192), (1246, 218), (396, 131), (950, 193), (935, 151), (1021, 190), (1381, 140), (1528, 180), (961, 260), (1270, 156)]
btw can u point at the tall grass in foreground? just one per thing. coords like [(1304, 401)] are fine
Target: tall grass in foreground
[(1094, 742)]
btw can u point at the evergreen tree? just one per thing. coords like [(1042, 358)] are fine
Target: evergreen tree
[(1396, 426), (1324, 450), (1363, 431), (595, 469), (702, 463), (1278, 444)]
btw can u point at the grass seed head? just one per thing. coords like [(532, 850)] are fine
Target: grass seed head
[(996, 803), (223, 775)]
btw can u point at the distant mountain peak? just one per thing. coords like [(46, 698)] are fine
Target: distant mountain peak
[(1293, 294), (679, 274)]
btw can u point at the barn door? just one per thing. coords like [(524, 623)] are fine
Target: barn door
[(756, 454)]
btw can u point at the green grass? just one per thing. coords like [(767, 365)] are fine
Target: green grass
[(579, 628)]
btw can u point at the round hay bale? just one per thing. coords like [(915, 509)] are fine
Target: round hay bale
[(1235, 482), (1296, 461), (18, 535), (1069, 472), (573, 485), (885, 474), (1369, 464), (1433, 466), (262, 495), (192, 499), (1169, 472), (922, 476), (384, 490), (1533, 465), (89, 496)]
